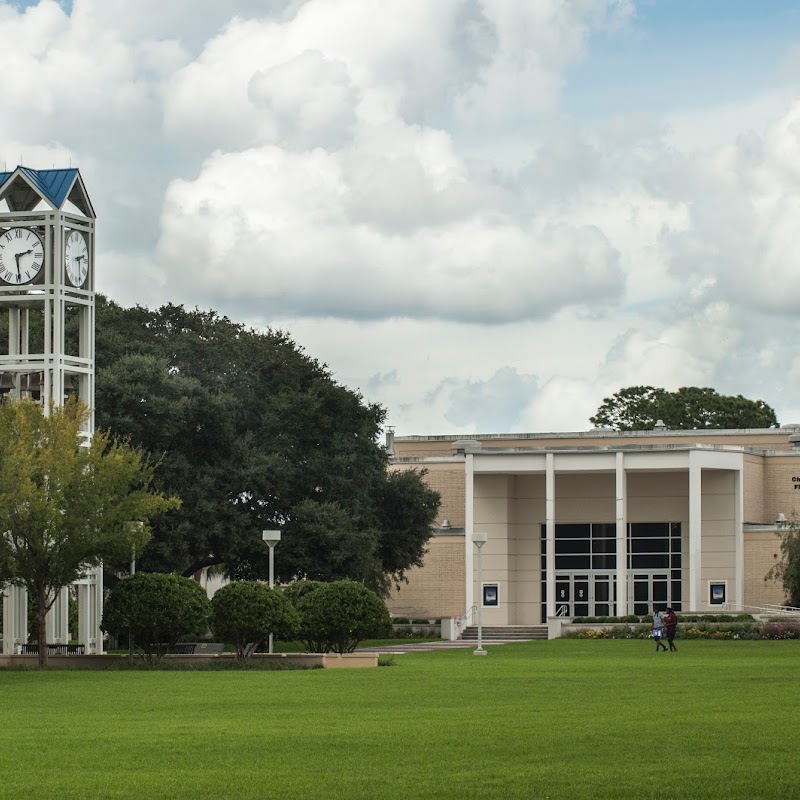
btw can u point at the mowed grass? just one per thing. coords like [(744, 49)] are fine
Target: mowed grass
[(562, 719)]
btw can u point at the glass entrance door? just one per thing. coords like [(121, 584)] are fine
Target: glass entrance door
[(585, 595), (646, 590)]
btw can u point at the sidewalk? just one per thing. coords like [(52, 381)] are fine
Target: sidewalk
[(422, 647)]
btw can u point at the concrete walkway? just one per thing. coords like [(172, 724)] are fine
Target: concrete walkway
[(423, 647)]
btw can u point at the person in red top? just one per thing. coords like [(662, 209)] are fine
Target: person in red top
[(671, 624)]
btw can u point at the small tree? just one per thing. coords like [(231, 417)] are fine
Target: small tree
[(337, 616), (157, 610), (66, 504), (788, 569), (249, 611)]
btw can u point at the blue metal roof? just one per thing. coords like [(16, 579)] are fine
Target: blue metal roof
[(54, 185)]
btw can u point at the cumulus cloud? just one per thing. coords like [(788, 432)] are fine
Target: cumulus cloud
[(294, 232), (402, 186)]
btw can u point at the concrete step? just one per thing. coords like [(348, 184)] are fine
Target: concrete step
[(506, 632)]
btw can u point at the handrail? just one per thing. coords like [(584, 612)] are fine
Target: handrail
[(463, 622), (563, 610), (769, 608), (468, 614)]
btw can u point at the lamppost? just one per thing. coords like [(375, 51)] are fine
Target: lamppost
[(130, 630), (271, 538), (479, 540)]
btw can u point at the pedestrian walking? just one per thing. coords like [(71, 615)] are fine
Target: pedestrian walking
[(671, 625), (658, 630)]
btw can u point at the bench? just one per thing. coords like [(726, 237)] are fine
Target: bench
[(197, 648), (55, 649)]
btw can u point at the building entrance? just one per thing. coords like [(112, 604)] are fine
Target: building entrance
[(586, 595)]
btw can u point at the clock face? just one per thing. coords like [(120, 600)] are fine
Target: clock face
[(76, 258), (21, 255)]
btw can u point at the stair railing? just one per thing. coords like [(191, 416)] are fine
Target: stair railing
[(463, 622), (768, 609)]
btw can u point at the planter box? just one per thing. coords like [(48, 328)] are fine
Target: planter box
[(324, 660)]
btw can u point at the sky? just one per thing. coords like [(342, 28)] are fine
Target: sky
[(484, 215)]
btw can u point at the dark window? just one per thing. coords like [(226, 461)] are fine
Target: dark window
[(570, 531), (572, 562), (604, 561)]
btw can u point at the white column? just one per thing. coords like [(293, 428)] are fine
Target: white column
[(550, 531), (738, 522), (695, 533), (15, 618), (622, 536), (57, 619), (83, 614), (90, 610), (469, 524), (98, 609)]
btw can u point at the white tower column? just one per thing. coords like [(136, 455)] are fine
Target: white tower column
[(90, 610), (57, 619), (15, 619)]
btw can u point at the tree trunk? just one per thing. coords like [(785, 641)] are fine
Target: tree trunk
[(41, 603)]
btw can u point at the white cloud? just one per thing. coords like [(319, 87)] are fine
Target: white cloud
[(400, 186)]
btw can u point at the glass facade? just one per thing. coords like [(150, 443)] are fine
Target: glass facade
[(586, 563)]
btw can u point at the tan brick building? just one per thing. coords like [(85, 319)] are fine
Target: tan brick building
[(622, 521)]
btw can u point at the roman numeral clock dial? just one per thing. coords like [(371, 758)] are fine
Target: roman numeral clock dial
[(76, 258), (21, 255)]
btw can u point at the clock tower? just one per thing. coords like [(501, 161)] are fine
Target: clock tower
[(47, 300)]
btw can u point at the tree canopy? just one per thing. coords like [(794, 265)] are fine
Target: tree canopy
[(252, 434), (65, 504), (638, 408)]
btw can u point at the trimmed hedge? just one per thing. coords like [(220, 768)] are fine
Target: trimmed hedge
[(158, 610), (336, 616), (699, 630), (634, 619)]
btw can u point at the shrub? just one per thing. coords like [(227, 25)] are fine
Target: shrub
[(780, 630), (401, 621), (249, 611), (337, 616), (157, 610)]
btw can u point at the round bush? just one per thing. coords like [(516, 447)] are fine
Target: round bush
[(249, 611), (337, 616), (157, 610)]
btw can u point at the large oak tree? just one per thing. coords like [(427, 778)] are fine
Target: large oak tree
[(253, 433)]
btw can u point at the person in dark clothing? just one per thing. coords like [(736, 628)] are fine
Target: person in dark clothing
[(671, 624)]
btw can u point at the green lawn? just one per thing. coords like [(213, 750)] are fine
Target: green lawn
[(563, 719)]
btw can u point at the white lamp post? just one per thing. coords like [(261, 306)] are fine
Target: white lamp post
[(271, 538), (479, 540)]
